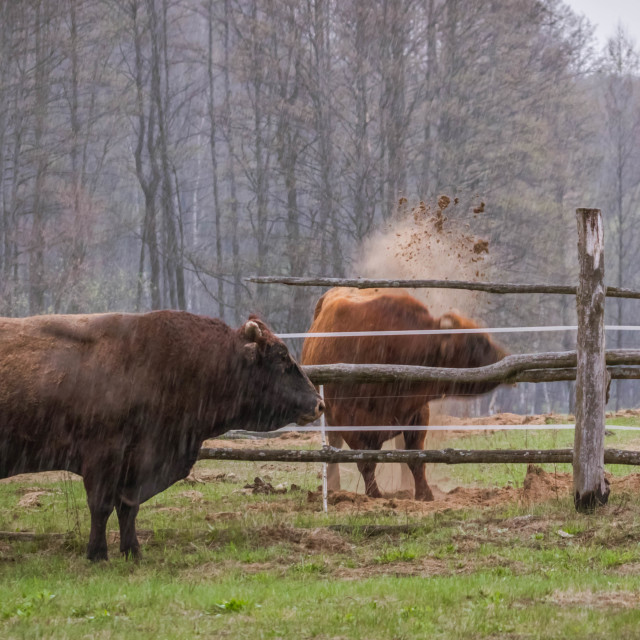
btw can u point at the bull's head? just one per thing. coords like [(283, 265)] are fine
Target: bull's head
[(467, 350), (281, 391)]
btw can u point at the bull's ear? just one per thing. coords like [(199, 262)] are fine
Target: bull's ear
[(252, 331), (250, 351), (447, 322)]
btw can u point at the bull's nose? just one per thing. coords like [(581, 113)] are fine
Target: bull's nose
[(320, 407)]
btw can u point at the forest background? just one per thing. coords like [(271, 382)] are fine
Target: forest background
[(153, 153)]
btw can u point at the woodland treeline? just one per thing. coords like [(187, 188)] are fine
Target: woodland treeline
[(153, 153)]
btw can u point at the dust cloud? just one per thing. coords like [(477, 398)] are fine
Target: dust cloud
[(431, 242)]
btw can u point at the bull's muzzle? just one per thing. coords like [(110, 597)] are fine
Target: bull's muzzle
[(318, 411)]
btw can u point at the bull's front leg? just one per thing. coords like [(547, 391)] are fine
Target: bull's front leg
[(129, 545), (415, 440), (368, 471), (334, 439), (101, 503)]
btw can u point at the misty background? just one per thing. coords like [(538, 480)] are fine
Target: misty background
[(153, 153)]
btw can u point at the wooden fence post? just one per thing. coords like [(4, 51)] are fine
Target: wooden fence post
[(590, 488)]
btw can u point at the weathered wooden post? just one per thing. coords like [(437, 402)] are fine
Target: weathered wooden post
[(590, 488)]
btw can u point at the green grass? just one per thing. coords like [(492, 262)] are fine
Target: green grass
[(224, 564), (491, 475)]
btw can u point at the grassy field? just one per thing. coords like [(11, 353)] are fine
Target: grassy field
[(221, 562)]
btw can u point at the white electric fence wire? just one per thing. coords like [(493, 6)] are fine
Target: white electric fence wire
[(450, 427), (437, 332)]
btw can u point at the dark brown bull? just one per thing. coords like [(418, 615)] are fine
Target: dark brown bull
[(390, 404), (127, 400)]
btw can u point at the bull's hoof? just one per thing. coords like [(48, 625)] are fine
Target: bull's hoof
[(132, 553), (97, 555), (374, 494), (425, 497)]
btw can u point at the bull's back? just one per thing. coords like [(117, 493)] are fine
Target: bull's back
[(61, 381), (57, 357), (346, 309)]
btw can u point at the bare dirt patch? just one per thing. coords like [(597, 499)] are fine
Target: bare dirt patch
[(280, 442), (193, 496), (317, 540), (44, 477), (425, 568), (32, 499), (539, 486), (628, 569), (596, 599)]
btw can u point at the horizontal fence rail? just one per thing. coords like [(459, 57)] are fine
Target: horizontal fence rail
[(510, 369), (443, 456), (565, 426), (488, 287)]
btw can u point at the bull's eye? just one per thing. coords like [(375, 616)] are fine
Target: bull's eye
[(282, 356)]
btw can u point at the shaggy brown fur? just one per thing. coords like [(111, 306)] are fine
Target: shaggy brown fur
[(126, 401), (390, 404)]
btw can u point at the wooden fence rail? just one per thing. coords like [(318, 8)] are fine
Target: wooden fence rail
[(539, 367), (488, 287), (443, 456)]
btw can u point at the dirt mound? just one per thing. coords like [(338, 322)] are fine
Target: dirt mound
[(336, 497), (540, 485), (626, 484)]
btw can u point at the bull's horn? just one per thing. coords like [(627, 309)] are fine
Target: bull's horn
[(252, 331)]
